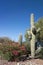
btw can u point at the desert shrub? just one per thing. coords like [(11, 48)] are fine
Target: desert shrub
[(41, 54), (28, 50), (15, 48), (7, 56), (6, 52), (1, 52), (14, 52), (17, 53), (22, 49)]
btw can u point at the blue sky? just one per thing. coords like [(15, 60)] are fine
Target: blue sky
[(15, 16)]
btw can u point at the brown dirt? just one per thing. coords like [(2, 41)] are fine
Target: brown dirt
[(27, 62)]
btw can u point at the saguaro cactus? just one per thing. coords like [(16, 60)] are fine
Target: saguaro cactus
[(33, 32), (20, 39), (32, 35)]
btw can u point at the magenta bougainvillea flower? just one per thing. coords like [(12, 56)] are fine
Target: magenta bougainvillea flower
[(15, 52)]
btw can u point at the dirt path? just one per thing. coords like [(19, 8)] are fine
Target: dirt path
[(27, 62)]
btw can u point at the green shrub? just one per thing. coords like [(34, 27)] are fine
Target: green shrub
[(28, 50), (7, 56), (41, 54)]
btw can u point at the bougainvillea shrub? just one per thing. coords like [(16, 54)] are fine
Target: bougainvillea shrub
[(13, 51), (17, 53), (22, 49)]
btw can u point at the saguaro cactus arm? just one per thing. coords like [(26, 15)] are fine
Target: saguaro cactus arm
[(34, 31), (29, 35), (38, 30)]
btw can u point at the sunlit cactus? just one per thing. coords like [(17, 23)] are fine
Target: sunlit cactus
[(33, 32), (32, 35), (38, 30), (20, 39), (29, 35)]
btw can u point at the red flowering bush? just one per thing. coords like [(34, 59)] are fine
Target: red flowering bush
[(22, 49), (16, 55), (15, 52)]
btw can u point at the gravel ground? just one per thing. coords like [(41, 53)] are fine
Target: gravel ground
[(27, 62)]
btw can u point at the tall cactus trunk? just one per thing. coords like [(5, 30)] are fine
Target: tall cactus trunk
[(33, 37)]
